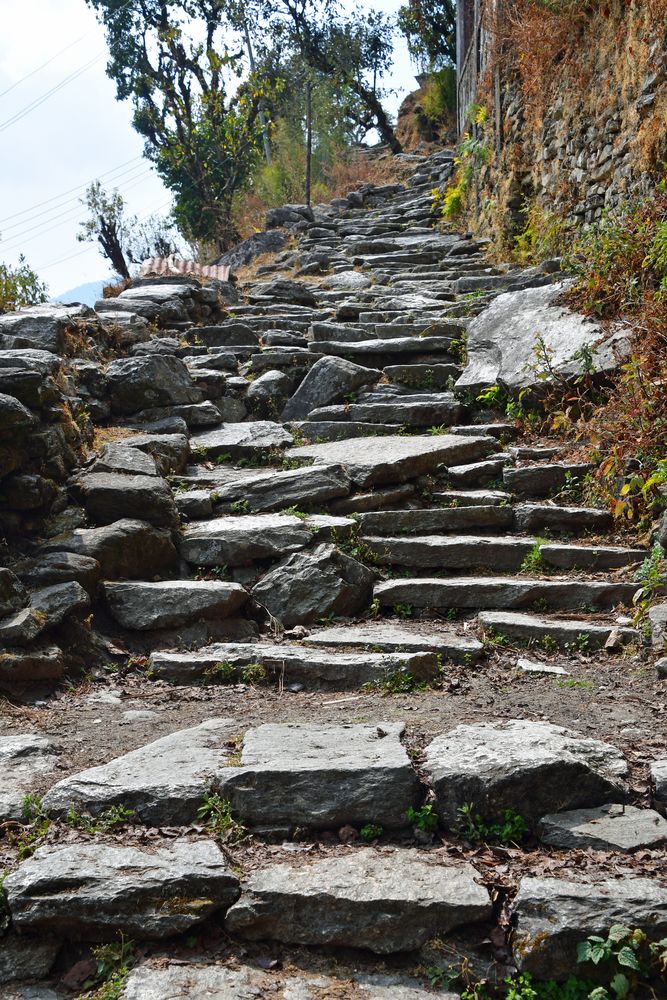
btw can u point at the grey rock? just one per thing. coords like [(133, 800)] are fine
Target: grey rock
[(397, 458), (170, 452), (108, 496), (610, 827), (49, 606), (310, 585), (270, 389), (537, 667), (14, 416), (532, 767), (120, 458), (278, 490), (242, 440), (59, 567), (329, 380), (313, 668), (657, 616), (152, 380), (436, 520), (164, 782), (25, 666), (448, 552), (13, 594), (322, 776), (394, 901), (554, 915), (573, 520), (389, 637), (41, 327), (247, 250), (26, 957), (94, 891), (526, 627), (476, 592), (240, 541), (542, 480), (501, 339), (599, 557), (169, 603), (126, 549), (24, 759), (659, 779)]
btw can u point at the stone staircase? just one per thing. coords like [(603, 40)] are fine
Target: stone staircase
[(295, 536)]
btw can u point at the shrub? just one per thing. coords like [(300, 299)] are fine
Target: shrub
[(19, 287)]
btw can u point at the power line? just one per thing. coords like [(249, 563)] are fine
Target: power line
[(129, 174), (24, 112), (44, 64), (62, 194), (19, 239)]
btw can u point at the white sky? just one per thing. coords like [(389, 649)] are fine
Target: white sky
[(78, 134)]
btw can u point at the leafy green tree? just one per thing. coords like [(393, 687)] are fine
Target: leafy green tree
[(430, 29), (171, 58), (20, 286)]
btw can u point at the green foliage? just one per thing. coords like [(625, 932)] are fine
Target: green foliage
[(403, 610), (219, 819), (424, 818), (19, 287), (240, 507), (471, 826), (494, 396), (533, 562), (254, 673), (430, 29), (631, 962), (113, 965), (107, 821), (222, 673), (545, 235), (652, 574), (396, 682), (438, 100), (370, 832), (473, 154)]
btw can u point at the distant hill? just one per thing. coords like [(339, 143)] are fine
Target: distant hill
[(88, 293)]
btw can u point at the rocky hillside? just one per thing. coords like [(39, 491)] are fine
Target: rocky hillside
[(320, 680)]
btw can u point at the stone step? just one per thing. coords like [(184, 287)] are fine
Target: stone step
[(318, 431), (491, 518), (544, 480), (139, 605), (591, 557), (472, 498), (442, 409), (502, 431), (280, 489), (580, 633), (241, 440), (379, 353), (487, 592), (242, 540), (534, 517), (419, 376), (312, 669), (446, 553), (398, 459), (392, 637), (389, 901), (477, 474)]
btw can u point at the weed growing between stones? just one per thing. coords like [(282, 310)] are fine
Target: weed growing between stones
[(472, 827), (533, 562), (219, 819), (370, 832), (114, 964), (424, 818), (107, 821)]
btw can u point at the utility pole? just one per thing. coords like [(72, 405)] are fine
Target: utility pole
[(261, 115), (309, 138)]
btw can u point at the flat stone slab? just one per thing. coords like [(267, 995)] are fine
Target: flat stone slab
[(241, 440), (448, 552), (482, 592), (277, 489), (93, 891), (322, 776), (164, 782), (392, 638), (169, 603), (536, 667), (126, 549), (108, 496), (534, 768), (397, 458), (573, 520), (542, 480), (438, 409), (23, 760), (291, 664), (472, 498), (590, 557), (155, 980), (525, 627), (385, 902), (240, 541), (436, 520), (554, 915), (610, 827)]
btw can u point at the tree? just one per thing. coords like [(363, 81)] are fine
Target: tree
[(106, 225), (171, 59), (430, 29), (20, 286), (124, 240), (353, 50)]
